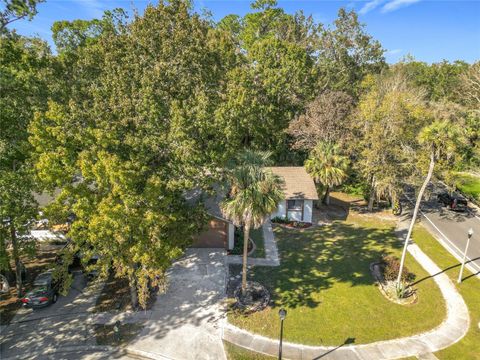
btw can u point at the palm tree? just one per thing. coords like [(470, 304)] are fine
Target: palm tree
[(327, 166), (255, 194), (439, 139)]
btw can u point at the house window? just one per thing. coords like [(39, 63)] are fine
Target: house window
[(295, 205)]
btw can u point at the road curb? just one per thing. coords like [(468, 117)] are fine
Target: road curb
[(146, 354), (66, 349)]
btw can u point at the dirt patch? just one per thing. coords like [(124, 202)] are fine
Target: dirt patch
[(115, 295), (10, 303), (117, 334), (342, 204)]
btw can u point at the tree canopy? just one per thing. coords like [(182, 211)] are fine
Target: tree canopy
[(130, 114)]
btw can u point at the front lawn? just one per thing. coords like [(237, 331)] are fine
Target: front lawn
[(257, 236), (325, 284), (469, 346), (468, 184)]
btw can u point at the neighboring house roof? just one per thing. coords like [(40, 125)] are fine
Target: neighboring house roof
[(45, 198), (298, 183)]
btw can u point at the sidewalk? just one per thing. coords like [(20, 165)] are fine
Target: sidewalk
[(271, 251), (452, 329)]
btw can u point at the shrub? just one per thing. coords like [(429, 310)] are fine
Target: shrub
[(280, 220), (391, 266), (238, 242)]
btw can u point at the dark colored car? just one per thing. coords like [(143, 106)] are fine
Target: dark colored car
[(44, 292), (453, 202)]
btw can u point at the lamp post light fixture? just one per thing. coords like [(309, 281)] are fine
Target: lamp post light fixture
[(469, 236), (282, 313)]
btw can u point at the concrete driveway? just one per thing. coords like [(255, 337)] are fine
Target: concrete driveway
[(32, 333), (186, 320)]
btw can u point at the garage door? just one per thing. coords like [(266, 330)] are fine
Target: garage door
[(214, 237)]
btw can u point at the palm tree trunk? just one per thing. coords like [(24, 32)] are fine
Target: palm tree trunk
[(326, 197), (16, 257), (246, 234), (415, 213)]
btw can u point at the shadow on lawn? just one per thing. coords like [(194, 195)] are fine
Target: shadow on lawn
[(457, 265), (315, 259), (348, 341)]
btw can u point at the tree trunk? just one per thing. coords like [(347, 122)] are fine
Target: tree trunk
[(132, 281), (326, 197), (371, 199), (4, 253), (246, 235), (414, 217), (16, 257)]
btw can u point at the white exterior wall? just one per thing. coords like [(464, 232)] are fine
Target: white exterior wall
[(231, 235), (307, 210), (281, 210), (295, 215)]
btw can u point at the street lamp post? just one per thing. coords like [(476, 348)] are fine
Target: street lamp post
[(470, 233), (282, 313)]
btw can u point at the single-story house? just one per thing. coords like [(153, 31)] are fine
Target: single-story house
[(300, 192)]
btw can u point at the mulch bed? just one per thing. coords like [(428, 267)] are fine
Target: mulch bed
[(256, 298), (387, 288), (295, 225), (115, 296)]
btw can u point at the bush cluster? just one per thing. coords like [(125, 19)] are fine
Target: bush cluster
[(391, 266), (280, 220)]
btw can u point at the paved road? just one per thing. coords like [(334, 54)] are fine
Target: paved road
[(452, 227), (32, 333)]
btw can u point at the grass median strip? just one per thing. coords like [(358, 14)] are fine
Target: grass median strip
[(469, 346)]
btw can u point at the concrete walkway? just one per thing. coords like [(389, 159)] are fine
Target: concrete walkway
[(271, 251), (452, 329)]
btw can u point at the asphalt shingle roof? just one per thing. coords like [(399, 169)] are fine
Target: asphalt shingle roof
[(298, 183)]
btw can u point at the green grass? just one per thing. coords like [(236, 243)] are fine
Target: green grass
[(325, 284), (257, 236), (469, 346), (468, 184), (238, 353)]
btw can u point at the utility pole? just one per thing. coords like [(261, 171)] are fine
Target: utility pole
[(469, 236)]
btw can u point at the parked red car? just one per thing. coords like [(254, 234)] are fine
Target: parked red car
[(455, 203), (44, 292)]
